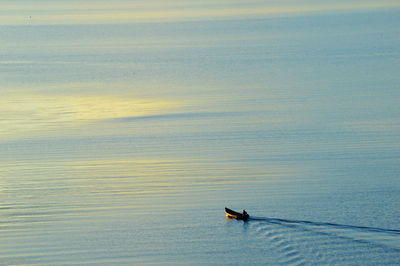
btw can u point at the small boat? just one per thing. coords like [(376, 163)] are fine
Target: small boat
[(236, 215)]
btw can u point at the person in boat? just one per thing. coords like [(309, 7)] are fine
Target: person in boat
[(245, 214)]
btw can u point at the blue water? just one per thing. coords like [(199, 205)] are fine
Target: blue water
[(294, 119)]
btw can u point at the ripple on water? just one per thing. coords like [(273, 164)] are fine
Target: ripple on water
[(300, 243)]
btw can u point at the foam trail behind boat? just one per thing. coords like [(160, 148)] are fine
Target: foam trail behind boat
[(342, 226)]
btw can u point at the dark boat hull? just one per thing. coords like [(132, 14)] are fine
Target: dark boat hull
[(235, 215)]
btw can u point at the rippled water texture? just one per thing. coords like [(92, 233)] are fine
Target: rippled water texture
[(122, 141)]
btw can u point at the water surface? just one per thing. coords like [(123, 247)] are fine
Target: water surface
[(122, 143)]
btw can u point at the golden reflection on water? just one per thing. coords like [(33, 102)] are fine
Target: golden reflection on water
[(161, 11), (80, 182), (26, 115)]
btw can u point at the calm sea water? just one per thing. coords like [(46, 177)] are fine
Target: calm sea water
[(122, 144)]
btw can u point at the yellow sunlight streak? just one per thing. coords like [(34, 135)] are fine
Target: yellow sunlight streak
[(135, 15), (22, 115)]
